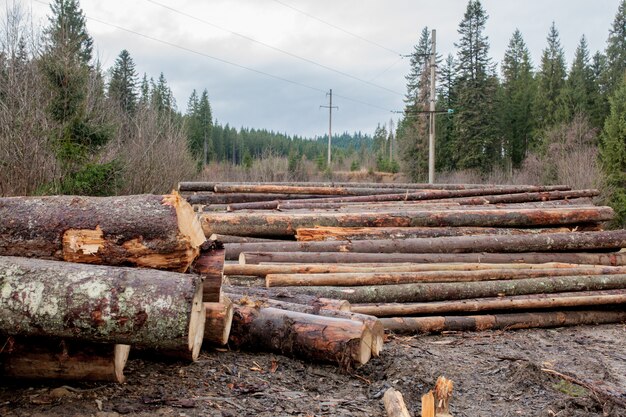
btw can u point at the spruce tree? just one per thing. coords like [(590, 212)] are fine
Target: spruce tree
[(123, 84), (578, 93), (518, 91), (475, 122), (616, 50), (199, 126), (550, 81), (78, 132), (613, 153), (445, 153)]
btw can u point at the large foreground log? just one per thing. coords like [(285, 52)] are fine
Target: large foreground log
[(613, 259), (153, 231), (36, 358), (512, 321), (351, 279), (405, 293), (280, 224), (306, 336), (543, 242), (365, 233), (256, 270), (517, 302), (143, 307)]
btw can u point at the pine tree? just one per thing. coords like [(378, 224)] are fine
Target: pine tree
[(613, 153), (518, 91), (550, 81), (77, 131), (578, 93), (616, 50), (199, 126), (123, 84), (475, 124)]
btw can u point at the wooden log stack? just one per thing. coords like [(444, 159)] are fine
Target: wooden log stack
[(424, 258)]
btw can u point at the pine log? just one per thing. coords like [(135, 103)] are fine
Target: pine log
[(512, 321), (104, 304), (518, 302), (278, 268), (394, 404), (219, 319), (289, 189), (238, 294), (153, 231), (237, 239), (236, 198), (367, 233), (487, 196), (306, 336), (406, 293), (35, 358), (375, 326), (209, 186), (210, 266), (280, 224), (353, 279), (612, 259), (584, 241)]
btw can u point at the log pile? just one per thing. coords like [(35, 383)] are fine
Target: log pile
[(423, 258)]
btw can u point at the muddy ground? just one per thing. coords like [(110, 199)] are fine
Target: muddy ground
[(495, 374)]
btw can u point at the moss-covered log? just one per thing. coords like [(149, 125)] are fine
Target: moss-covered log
[(116, 305), (152, 231)]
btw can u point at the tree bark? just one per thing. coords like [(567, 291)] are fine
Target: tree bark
[(219, 319), (279, 224), (375, 326), (34, 358), (406, 293), (147, 308), (542, 242), (306, 336), (612, 259), (352, 279), (238, 239), (366, 233), (241, 294), (151, 231), (518, 302), (512, 321), (264, 270), (394, 404), (237, 198), (210, 266)]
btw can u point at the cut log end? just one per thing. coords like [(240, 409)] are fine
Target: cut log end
[(189, 226), (219, 319)]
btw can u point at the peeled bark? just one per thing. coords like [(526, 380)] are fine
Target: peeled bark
[(219, 319), (367, 233), (264, 270), (406, 293), (583, 241), (306, 336), (152, 231), (115, 305), (352, 279), (518, 302), (281, 224), (36, 358), (612, 259), (512, 321)]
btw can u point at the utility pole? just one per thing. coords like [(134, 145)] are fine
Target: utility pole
[(431, 136), (330, 108)]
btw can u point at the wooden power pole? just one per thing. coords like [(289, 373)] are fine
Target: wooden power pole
[(330, 108), (431, 136)]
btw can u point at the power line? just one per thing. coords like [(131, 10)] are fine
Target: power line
[(291, 54), (339, 28), (224, 61)]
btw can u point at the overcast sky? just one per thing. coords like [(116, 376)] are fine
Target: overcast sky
[(365, 72)]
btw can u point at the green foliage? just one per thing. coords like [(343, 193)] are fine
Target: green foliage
[(355, 166), (321, 162), (616, 50), (123, 83), (199, 125), (613, 153), (387, 165), (92, 179)]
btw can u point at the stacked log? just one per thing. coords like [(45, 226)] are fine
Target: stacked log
[(423, 257)]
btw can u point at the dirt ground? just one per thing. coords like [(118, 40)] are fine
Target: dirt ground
[(495, 374)]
